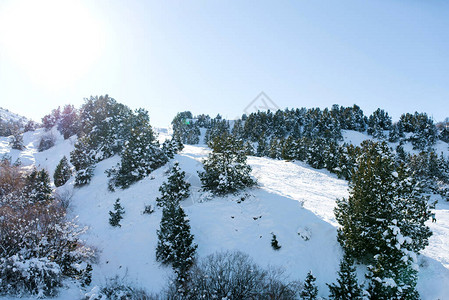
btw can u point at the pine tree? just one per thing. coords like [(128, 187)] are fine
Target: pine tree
[(175, 242), (117, 215), (310, 291), (225, 169), (141, 154), (37, 186), (347, 287), (63, 172), (175, 189), (83, 159), (383, 218)]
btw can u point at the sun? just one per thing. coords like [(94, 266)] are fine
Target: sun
[(55, 42)]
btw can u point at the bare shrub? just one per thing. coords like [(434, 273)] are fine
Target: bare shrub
[(233, 275)]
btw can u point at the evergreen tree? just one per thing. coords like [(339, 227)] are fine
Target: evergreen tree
[(37, 186), (225, 169), (383, 218), (117, 215), (175, 189), (83, 159), (141, 154), (347, 287), (62, 172), (175, 242), (310, 291), (378, 122)]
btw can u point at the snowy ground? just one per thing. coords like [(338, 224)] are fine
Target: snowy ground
[(293, 201)]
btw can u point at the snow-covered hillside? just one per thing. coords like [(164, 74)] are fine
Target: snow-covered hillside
[(292, 200), (8, 116)]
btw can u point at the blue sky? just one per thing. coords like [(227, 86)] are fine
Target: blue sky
[(216, 56)]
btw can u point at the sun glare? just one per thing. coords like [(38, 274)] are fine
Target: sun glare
[(55, 42)]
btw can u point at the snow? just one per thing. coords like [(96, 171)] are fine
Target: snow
[(292, 200)]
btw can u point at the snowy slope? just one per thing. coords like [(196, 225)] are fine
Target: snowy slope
[(292, 200)]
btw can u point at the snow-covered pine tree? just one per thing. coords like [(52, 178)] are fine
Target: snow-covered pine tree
[(175, 242), (37, 186), (62, 172), (383, 218), (82, 158), (378, 122), (225, 169), (347, 287), (141, 154), (117, 215), (310, 291), (175, 189)]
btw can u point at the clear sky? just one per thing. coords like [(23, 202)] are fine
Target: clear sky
[(216, 56)]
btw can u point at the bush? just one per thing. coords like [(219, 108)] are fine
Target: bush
[(233, 275), (36, 276), (115, 289), (38, 246), (47, 141)]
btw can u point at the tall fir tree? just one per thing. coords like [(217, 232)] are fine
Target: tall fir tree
[(175, 189), (347, 287), (63, 172), (175, 242)]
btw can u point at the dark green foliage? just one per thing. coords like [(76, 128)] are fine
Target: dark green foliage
[(310, 291), (274, 242), (378, 122), (37, 186), (217, 128), (225, 169), (83, 159), (141, 154), (117, 215), (384, 216), (63, 172), (171, 147), (175, 189), (185, 128), (347, 287), (424, 132), (175, 242)]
